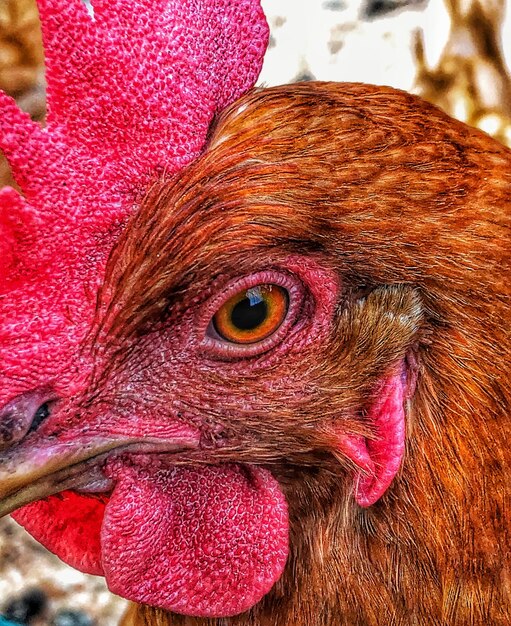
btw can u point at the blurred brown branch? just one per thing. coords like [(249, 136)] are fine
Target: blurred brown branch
[(471, 81)]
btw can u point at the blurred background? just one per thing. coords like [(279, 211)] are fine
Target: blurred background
[(454, 53)]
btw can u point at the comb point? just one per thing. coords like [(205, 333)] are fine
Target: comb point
[(19, 138)]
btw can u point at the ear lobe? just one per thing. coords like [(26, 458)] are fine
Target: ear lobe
[(379, 459)]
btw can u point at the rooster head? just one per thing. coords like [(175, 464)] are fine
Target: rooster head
[(214, 312)]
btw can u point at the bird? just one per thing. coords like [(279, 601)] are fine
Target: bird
[(270, 384)]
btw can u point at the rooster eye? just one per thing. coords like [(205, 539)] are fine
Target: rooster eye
[(252, 315)]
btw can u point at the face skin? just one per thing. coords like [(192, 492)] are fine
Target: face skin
[(304, 426)]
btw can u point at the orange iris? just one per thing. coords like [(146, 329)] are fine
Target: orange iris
[(252, 315)]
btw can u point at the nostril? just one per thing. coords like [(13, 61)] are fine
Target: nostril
[(41, 414), (23, 415)]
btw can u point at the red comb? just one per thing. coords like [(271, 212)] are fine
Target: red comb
[(131, 93)]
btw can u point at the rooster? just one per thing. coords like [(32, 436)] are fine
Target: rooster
[(255, 346)]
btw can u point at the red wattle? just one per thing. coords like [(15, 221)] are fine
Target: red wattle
[(208, 541), (68, 525)]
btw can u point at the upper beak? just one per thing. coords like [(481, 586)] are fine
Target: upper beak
[(39, 467)]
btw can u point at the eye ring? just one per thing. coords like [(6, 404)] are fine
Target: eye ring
[(290, 295)]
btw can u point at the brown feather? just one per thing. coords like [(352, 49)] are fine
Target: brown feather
[(412, 210)]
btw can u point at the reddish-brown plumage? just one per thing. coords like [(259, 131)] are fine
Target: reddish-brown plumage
[(411, 211)]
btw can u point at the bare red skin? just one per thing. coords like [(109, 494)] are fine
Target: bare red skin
[(105, 536)]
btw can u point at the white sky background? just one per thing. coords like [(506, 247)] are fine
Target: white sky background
[(335, 40)]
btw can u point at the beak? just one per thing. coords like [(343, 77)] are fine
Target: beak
[(37, 468)]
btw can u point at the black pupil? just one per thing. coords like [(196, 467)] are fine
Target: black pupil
[(247, 316)]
